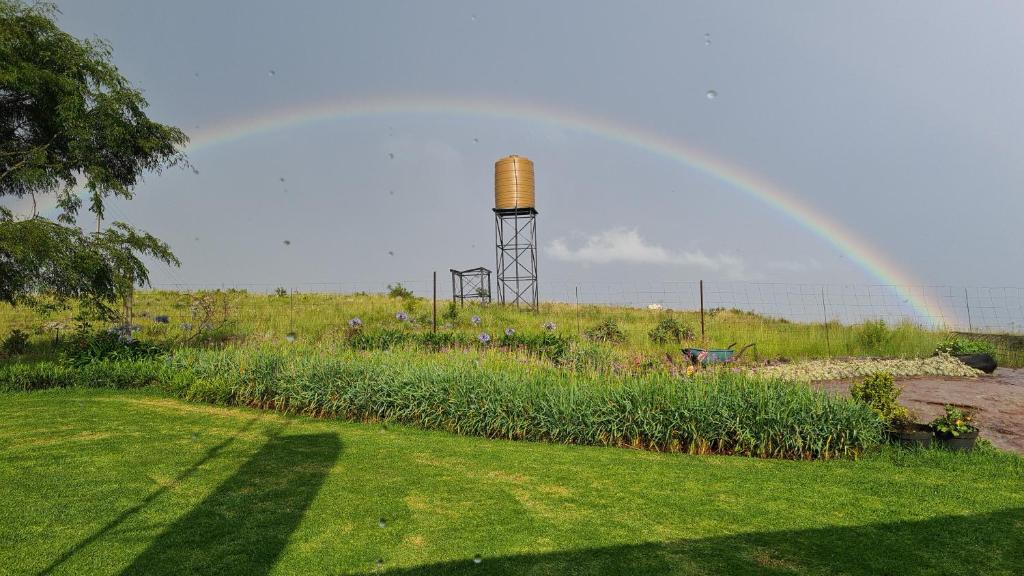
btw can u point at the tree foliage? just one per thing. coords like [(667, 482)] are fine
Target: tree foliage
[(40, 257), (66, 113), (68, 119)]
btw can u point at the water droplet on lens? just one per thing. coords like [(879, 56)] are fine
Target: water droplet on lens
[(473, 17), (391, 192), (281, 178), (477, 559), (271, 73), (287, 242), (707, 39), (390, 253), (391, 155), (196, 74), (711, 94), (477, 140), (382, 523)]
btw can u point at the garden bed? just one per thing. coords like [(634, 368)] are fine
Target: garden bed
[(844, 368)]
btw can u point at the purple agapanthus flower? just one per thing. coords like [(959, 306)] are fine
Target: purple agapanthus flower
[(402, 316), (355, 323), (549, 325), (484, 337), (510, 332), (475, 320)]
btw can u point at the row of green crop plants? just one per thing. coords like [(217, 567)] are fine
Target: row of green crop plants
[(490, 394)]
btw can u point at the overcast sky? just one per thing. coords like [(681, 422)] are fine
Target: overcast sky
[(900, 120)]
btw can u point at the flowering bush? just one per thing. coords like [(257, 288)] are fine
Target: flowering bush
[(355, 323), (954, 423), (549, 326), (484, 337)]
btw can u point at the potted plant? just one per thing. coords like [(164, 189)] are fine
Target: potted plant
[(881, 394), (907, 432), (955, 430)]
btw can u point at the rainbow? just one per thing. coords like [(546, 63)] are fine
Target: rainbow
[(869, 259)]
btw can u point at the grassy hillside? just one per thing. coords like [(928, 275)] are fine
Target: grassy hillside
[(322, 319)]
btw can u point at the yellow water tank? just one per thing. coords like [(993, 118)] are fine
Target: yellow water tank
[(513, 183)]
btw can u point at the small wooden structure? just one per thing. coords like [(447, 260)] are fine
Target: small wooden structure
[(474, 284)]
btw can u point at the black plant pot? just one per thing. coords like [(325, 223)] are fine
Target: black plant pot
[(912, 435), (963, 443), (984, 362)]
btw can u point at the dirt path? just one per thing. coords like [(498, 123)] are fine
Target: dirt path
[(997, 401)]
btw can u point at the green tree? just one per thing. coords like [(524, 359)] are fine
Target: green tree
[(69, 120)]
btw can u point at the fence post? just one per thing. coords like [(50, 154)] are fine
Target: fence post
[(435, 300), (970, 327), (702, 311), (578, 311), (824, 314)]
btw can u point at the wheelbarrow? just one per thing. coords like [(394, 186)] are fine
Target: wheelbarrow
[(705, 356)]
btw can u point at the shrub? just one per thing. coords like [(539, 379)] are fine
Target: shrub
[(874, 335), (396, 290), (606, 331), (15, 343), (670, 330), (89, 347), (958, 345), (880, 393)]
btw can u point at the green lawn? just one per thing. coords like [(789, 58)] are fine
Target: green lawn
[(105, 482)]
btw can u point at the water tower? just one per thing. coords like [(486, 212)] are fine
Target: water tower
[(515, 231)]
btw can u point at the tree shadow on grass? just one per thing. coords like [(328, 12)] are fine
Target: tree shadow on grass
[(981, 544), (242, 527), (213, 452)]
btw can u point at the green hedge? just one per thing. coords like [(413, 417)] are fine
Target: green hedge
[(719, 413), (41, 375)]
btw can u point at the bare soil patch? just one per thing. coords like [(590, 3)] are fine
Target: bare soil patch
[(997, 400)]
